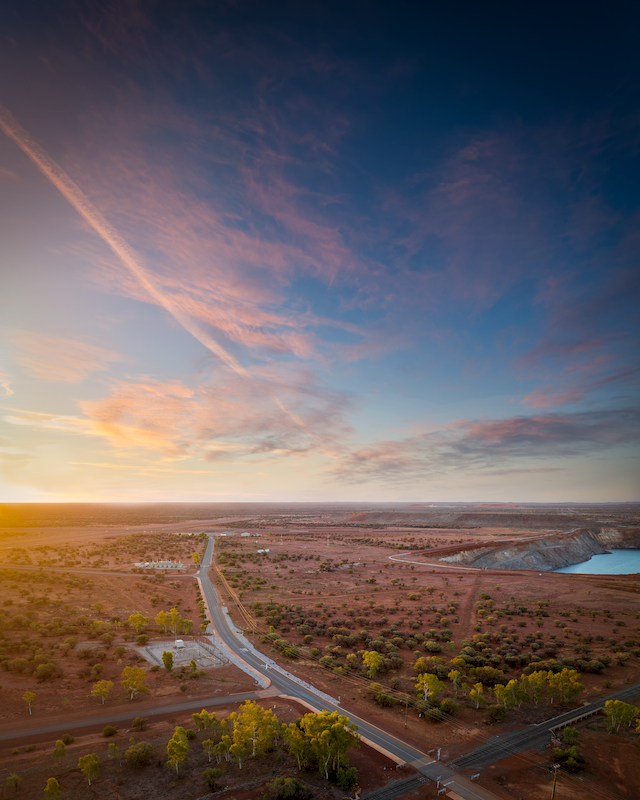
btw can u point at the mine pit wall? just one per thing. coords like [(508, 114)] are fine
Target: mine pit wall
[(550, 552)]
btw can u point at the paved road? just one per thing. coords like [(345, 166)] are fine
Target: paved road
[(285, 683), (35, 568), (110, 719), (288, 684)]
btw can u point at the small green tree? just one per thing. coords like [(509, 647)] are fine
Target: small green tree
[(205, 720), (59, 751), (113, 751), (138, 622), (208, 746), (330, 735), (89, 766), (373, 661), (477, 695), (566, 683), (620, 713), (429, 686), (167, 659), (255, 727), (456, 679), (28, 698), (177, 749), (196, 558), (52, 789), (102, 689), (13, 781), (162, 620), (134, 680), (223, 748), (297, 742)]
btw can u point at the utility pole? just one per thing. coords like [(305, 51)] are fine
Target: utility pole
[(556, 767)]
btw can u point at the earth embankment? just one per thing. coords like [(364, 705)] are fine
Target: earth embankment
[(544, 554), (619, 538)]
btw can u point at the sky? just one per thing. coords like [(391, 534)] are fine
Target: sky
[(362, 251)]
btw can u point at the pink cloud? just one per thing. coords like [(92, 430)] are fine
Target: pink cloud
[(229, 414), (480, 447), (546, 398), (54, 358)]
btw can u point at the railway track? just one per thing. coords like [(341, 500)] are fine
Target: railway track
[(536, 735), (398, 789)]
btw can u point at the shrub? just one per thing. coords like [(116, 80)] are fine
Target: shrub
[(383, 699), (44, 672), (346, 777), (139, 754), (496, 714), (281, 788), (190, 734), (450, 706), (139, 723), (109, 730), (211, 775), (571, 758), (67, 738)]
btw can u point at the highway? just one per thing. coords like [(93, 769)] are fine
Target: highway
[(289, 685), (285, 683), (282, 682), (123, 716)]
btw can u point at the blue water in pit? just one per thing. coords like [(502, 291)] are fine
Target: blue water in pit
[(618, 562)]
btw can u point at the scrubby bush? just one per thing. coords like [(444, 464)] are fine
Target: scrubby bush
[(211, 775), (450, 706), (346, 777), (282, 788), (496, 713), (109, 730), (139, 754), (571, 758), (45, 672)]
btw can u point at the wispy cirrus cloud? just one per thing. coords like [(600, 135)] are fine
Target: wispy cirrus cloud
[(5, 384), (486, 445), (570, 390), (54, 358)]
